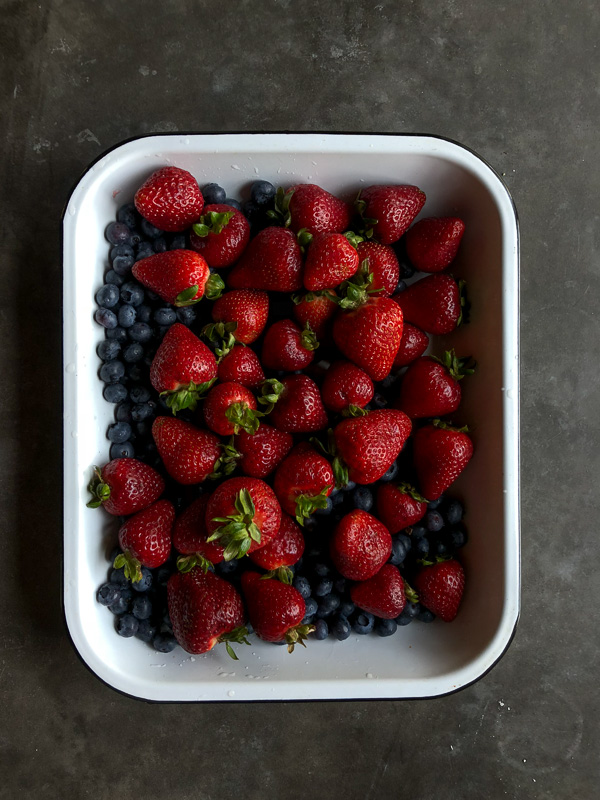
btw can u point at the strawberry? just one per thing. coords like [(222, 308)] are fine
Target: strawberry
[(299, 408), (440, 454), (430, 386), (145, 539), (170, 199), (204, 610), (189, 538), (440, 587), (433, 304), (413, 344), (432, 243), (261, 452), (275, 610), (272, 262), (383, 263), (248, 308), (303, 482), (180, 277), (360, 545), (241, 365), (124, 486), (366, 447), (388, 211), (284, 551), (308, 206), (315, 309), (188, 453), (286, 347), (382, 595), (399, 506), (183, 368), (346, 388), (220, 235), (229, 408), (331, 259), (242, 515)]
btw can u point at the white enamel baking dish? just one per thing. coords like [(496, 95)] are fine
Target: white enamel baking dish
[(420, 660)]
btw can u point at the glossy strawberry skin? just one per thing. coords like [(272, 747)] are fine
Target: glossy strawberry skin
[(283, 347), (299, 408), (382, 595), (330, 260), (432, 304), (370, 335), (189, 532), (133, 486), (318, 211), (173, 272), (397, 509), (369, 445), (360, 545), (285, 549), (181, 359), (271, 262), (263, 451), (147, 534), (439, 456), (344, 385), (303, 472), (220, 398), (202, 607), (273, 607), (316, 310), (428, 390), (248, 307), (170, 199), (188, 453), (223, 249), (383, 263), (432, 243), (440, 587), (241, 365), (394, 208), (413, 344)]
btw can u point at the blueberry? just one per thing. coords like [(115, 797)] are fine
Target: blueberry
[(133, 353), (433, 504), (406, 540), (425, 615), (146, 581), (337, 498), (262, 192), (363, 623), (127, 625), (112, 371), (128, 215), (420, 546), (341, 628), (114, 393), (164, 643), (388, 381), (149, 230), (117, 576), (108, 349), (126, 316), (406, 270), (107, 295), (144, 250), (322, 570), (159, 245), (121, 604), (324, 512), (134, 372), (142, 411), (399, 552), (410, 612), (340, 585), (118, 334), (458, 537), (362, 498), (108, 594), (140, 394), (141, 608), (391, 473), (379, 401), (120, 250), (118, 233), (349, 486), (347, 608), (143, 313), (132, 293), (119, 432), (250, 210), (311, 607), (162, 576), (418, 531), (146, 631), (186, 315), (178, 242), (114, 279), (400, 286), (140, 332), (323, 587), (386, 627), (142, 429), (230, 201), (442, 547), (328, 605), (302, 585), (165, 316), (454, 512), (122, 265), (106, 317), (125, 450), (321, 630), (434, 521), (213, 193)]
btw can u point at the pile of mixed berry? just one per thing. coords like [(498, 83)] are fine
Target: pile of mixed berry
[(282, 445)]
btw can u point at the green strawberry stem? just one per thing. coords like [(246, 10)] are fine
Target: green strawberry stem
[(227, 461), (304, 237), (465, 305), (187, 563), (340, 473), (213, 222), (186, 396), (457, 367), (406, 488), (354, 411), (221, 335), (307, 505), (309, 338), (242, 417), (188, 297), (368, 223), (297, 635), (100, 491), (270, 392), (238, 531), (353, 238), (132, 568), (214, 286), (356, 291), (281, 213), (237, 636), (410, 593), (283, 574), (447, 426)]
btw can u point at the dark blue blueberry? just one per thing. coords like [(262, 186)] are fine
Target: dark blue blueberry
[(123, 412), (128, 215), (140, 332), (127, 626), (388, 381), (149, 230), (406, 540), (340, 585), (132, 293), (117, 576), (108, 349), (126, 316), (146, 631), (119, 432), (338, 498), (106, 318), (400, 287), (434, 521), (322, 570), (121, 604), (146, 581), (386, 627), (350, 486), (122, 265), (458, 537), (418, 531), (114, 279), (392, 472), (362, 498), (262, 192), (142, 429), (442, 547), (328, 605), (121, 250), (141, 608), (323, 587), (425, 615), (230, 201), (165, 316), (107, 295), (142, 411), (118, 334), (410, 612), (125, 450), (164, 643), (324, 512), (108, 594), (340, 628), (144, 313), (112, 371), (161, 330), (363, 623), (162, 576), (379, 401), (302, 585), (133, 353), (406, 270), (159, 245), (454, 512), (321, 630), (399, 552), (178, 242), (311, 607), (347, 608), (118, 233), (114, 392), (213, 193), (228, 567), (140, 394), (143, 250), (420, 546), (250, 210), (433, 504), (186, 315)]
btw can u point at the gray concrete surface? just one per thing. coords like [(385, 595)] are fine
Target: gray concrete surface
[(517, 82)]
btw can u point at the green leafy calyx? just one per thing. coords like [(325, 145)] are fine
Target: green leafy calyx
[(186, 396), (221, 335), (281, 213), (213, 222), (237, 636), (309, 338), (307, 504), (100, 491), (457, 367), (238, 530), (132, 568)]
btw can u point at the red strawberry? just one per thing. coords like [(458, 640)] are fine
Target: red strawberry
[(272, 262), (381, 595), (440, 587), (303, 482), (229, 408), (145, 539), (124, 486), (243, 515), (360, 545), (432, 243), (382, 263), (370, 335), (315, 309), (413, 344), (286, 347), (180, 277), (189, 538), (440, 454), (388, 211), (331, 259), (241, 365), (308, 206), (220, 235), (275, 610), (188, 453), (430, 387), (433, 304), (170, 199), (183, 368), (346, 387), (261, 452), (246, 307), (366, 447), (204, 610), (284, 551), (399, 506), (299, 408)]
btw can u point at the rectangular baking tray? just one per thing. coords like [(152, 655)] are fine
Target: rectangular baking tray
[(420, 660)]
